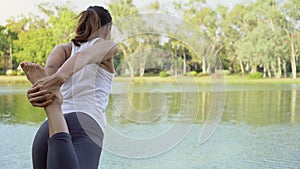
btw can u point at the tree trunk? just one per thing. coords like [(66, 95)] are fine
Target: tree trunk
[(269, 72), (279, 68), (293, 62), (131, 69), (274, 70), (142, 63), (203, 64), (184, 62), (242, 68), (208, 68), (265, 72), (284, 70), (253, 69), (175, 71), (175, 65), (10, 57), (5, 63), (142, 68), (247, 67)]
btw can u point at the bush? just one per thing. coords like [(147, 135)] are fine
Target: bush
[(20, 73), (150, 74), (11, 72), (298, 68), (201, 74), (240, 74), (164, 74), (192, 73), (222, 72), (226, 72), (257, 75)]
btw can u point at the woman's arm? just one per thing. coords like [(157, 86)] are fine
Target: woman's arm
[(102, 50), (56, 58)]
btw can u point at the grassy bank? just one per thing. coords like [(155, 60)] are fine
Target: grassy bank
[(246, 80), (4, 80), (209, 80), (13, 80)]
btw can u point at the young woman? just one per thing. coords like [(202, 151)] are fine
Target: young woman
[(74, 88)]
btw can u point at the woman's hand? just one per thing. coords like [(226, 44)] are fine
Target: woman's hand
[(51, 83), (46, 90), (38, 97)]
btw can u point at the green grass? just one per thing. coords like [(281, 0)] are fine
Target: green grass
[(246, 80), (13, 80), (207, 80), (180, 79)]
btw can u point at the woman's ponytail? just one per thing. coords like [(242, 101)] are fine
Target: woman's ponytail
[(89, 23)]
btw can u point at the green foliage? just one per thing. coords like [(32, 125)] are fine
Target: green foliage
[(192, 73), (20, 73), (257, 75), (37, 37), (257, 34), (201, 74), (11, 72), (298, 68), (3, 39), (164, 74), (226, 72)]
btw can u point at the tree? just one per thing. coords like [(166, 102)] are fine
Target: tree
[(6, 48), (135, 48), (119, 10), (38, 36), (232, 31), (3, 46), (207, 21), (291, 9)]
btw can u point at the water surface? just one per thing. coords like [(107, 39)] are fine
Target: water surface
[(259, 128)]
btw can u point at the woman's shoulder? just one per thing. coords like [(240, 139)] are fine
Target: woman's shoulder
[(67, 47), (93, 41)]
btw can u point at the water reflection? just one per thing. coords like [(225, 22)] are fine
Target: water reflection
[(15, 109), (253, 107), (293, 103), (263, 107)]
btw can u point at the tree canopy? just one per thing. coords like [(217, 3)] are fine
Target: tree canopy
[(257, 36)]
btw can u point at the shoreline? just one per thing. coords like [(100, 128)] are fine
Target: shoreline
[(22, 80)]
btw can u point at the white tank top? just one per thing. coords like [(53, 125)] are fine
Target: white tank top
[(87, 90)]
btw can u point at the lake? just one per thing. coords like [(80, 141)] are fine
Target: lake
[(162, 124)]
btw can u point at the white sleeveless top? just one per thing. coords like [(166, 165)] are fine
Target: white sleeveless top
[(87, 90)]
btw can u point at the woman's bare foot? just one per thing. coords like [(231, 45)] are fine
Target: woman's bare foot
[(33, 72)]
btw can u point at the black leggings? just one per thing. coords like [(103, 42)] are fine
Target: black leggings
[(81, 149)]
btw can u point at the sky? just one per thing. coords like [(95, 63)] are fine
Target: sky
[(9, 8)]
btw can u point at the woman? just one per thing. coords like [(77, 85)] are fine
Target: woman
[(80, 72)]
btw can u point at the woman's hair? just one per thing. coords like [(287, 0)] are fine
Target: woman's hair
[(90, 21)]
